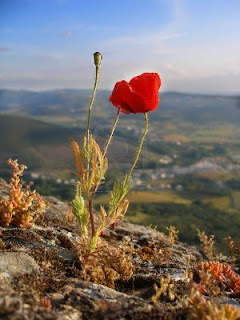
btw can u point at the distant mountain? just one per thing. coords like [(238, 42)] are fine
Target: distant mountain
[(46, 102), (71, 102), (202, 108), (45, 146), (36, 126), (33, 142)]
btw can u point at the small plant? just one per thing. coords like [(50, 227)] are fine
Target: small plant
[(23, 206), (188, 272), (234, 248), (201, 309), (106, 264), (172, 234), (207, 244), (165, 289), (221, 275), (140, 95)]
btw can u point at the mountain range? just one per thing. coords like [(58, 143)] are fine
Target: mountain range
[(72, 102), (36, 126)]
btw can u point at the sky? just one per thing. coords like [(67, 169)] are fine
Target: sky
[(48, 44)]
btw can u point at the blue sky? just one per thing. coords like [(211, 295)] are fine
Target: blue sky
[(193, 45)]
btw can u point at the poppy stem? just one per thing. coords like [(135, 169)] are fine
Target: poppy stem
[(92, 101), (89, 116), (139, 147), (88, 145), (112, 132)]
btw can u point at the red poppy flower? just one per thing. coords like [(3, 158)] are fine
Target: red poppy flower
[(140, 95)]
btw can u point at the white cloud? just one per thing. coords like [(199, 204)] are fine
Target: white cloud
[(43, 55), (173, 71), (217, 83), (146, 39)]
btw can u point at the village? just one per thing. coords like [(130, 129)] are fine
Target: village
[(160, 178)]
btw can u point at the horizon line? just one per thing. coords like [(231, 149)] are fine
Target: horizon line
[(224, 94)]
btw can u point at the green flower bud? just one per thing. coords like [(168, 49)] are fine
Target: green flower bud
[(97, 58)]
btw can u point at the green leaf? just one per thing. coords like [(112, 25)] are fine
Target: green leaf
[(80, 211)]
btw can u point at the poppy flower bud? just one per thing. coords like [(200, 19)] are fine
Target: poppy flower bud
[(97, 58)]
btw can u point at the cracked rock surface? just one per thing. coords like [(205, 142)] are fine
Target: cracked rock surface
[(41, 277)]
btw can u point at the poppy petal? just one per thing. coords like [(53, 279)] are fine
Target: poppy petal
[(125, 98), (148, 84)]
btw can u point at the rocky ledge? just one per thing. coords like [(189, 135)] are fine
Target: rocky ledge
[(41, 276)]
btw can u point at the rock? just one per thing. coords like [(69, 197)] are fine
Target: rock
[(17, 263), (41, 277), (5, 282), (69, 313)]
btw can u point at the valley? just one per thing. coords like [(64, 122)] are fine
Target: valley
[(189, 172)]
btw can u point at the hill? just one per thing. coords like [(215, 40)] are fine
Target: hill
[(34, 143), (70, 102), (188, 118), (45, 146)]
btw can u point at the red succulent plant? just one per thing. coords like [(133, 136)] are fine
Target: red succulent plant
[(140, 95)]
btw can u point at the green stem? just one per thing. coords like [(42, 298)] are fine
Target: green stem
[(89, 117), (88, 145), (139, 147), (90, 208), (112, 132), (92, 100)]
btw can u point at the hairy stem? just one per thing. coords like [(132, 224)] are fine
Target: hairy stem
[(89, 116), (88, 145), (90, 208), (112, 132), (139, 147), (92, 100)]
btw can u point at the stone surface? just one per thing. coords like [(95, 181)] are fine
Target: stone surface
[(17, 263)]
